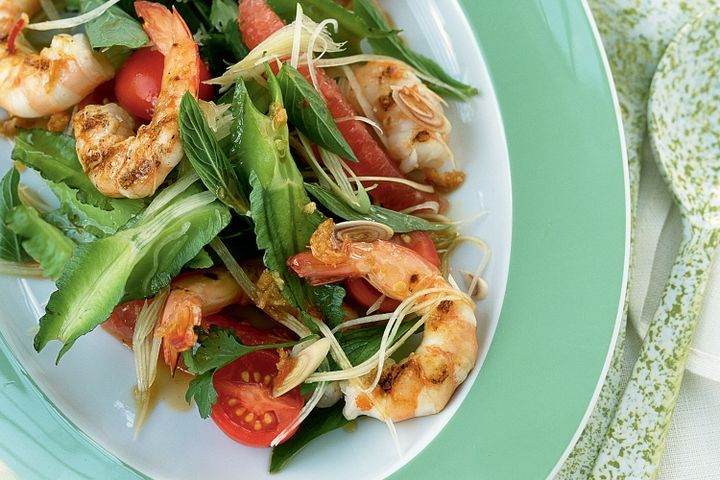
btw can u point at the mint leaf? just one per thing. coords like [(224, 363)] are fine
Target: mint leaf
[(360, 344), (309, 113), (207, 158), (319, 422), (113, 28), (329, 299), (399, 222)]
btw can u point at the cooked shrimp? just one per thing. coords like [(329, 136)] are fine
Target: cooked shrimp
[(422, 383), (415, 128), (193, 296), (10, 10), (123, 164), (36, 85)]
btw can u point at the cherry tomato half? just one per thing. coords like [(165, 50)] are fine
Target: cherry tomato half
[(121, 323), (366, 295), (137, 84), (245, 410)]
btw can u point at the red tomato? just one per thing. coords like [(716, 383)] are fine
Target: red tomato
[(137, 84), (366, 295), (245, 410)]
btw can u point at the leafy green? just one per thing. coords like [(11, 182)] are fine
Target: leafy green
[(399, 222), (94, 220), (133, 263), (278, 202), (329, 299), (61, 220), (201, 260), (45, 243), (218, 347), (319, 422), (202, 390), (309, 113), (10, 246), (393, 46), (53, 156), (207, 158), (113, 28), (223, 13), (360, 344)]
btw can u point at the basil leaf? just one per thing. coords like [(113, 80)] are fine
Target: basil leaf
[(10, 246), (399, 222), (45, 243), (329, 299), (113, 28), (220, 347), (360, 344), (393, 46), (309, 113), (207, 158), (319, 422), (201, 389)]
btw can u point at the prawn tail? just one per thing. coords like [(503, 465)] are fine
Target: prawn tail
[(164, 28), (305, 265)]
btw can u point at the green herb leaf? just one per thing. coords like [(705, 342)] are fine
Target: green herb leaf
[(113, 28), (360, 344), (309, 113), (45, 243), (10, 246), (319, 422), (94, 220), (133, 263), (220, 347), (393, 46), (329, 299), (278, 202), (201, 389), (207, 158), (61, 221), (201, 260), (53, 156), (222, 13), (399, 222)]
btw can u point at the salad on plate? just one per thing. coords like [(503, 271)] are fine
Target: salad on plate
[(251, 193)]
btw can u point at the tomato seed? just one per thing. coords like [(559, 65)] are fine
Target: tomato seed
[(249, 417), (240, 412), (232, 402), (256, 376), (257, 425), (267, 379), (267, 418), (245, 376)]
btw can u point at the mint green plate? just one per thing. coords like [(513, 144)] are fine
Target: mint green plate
[(545, 79)]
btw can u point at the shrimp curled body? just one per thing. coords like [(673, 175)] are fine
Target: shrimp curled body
[(412, 116), (194, 295), (34, 85), (423, 383), (119, 162)]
